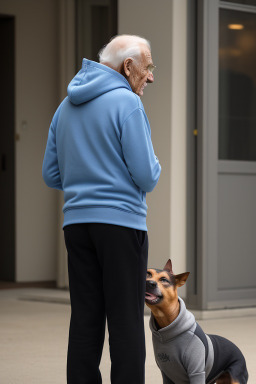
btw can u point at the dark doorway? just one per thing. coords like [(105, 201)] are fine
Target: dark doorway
[(7, 150), (96, 23)]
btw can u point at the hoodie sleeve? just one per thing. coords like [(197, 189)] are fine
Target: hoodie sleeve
[(138, 151), (51, 173)]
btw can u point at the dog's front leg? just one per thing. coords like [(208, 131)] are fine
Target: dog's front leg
[(166, 379)]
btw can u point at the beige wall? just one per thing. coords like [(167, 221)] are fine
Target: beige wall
[(164, 24), (40, 78), (37, 88)]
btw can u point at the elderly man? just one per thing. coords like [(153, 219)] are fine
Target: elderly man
[(99, 152)]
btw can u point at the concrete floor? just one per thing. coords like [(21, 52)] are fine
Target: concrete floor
[(34, 329)]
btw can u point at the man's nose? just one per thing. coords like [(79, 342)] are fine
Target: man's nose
[(150, 78)]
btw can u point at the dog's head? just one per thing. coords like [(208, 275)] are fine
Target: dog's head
[(161, 285)]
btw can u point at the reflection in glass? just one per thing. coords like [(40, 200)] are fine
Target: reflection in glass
[(237, 85)]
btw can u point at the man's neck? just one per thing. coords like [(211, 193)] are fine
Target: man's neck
[(111, 66)]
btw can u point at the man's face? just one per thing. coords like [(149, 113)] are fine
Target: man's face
[(139, 72)]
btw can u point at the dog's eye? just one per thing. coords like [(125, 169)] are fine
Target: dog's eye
[(149, 274), (164, 280)]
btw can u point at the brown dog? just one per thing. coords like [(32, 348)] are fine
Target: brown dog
[(183, 352)]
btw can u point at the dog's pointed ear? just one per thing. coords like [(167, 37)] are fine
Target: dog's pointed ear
[(181, 279), (168, 266)]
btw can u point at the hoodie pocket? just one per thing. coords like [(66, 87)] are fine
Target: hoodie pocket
[(143, 196)]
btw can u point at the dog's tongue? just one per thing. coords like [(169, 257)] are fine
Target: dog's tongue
[(150, 296)]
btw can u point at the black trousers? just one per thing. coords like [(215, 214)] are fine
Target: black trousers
[(107, 272)]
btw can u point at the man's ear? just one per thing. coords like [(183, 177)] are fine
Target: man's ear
[(168, 266), (181, 279), (127, 66)]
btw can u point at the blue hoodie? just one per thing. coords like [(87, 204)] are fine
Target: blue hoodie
[(99, 151)]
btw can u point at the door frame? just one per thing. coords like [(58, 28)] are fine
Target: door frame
[(208, 295), (207, 112)]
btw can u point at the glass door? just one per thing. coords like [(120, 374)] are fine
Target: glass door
[(237, 83), (237, 149), (226, 153)]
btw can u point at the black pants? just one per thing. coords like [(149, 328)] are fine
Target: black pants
[(107, 273)]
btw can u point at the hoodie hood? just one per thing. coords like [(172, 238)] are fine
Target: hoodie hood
[(93, 80), (182, 323)]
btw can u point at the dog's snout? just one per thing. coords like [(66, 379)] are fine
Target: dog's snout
[(152, 283)]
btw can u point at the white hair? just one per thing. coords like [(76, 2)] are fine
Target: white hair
[(120, 48)]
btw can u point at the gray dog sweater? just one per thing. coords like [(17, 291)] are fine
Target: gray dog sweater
[(185, 354), (180, 352)]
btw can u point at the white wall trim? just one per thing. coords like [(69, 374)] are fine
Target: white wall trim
[(67, 71), (178, 136)]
